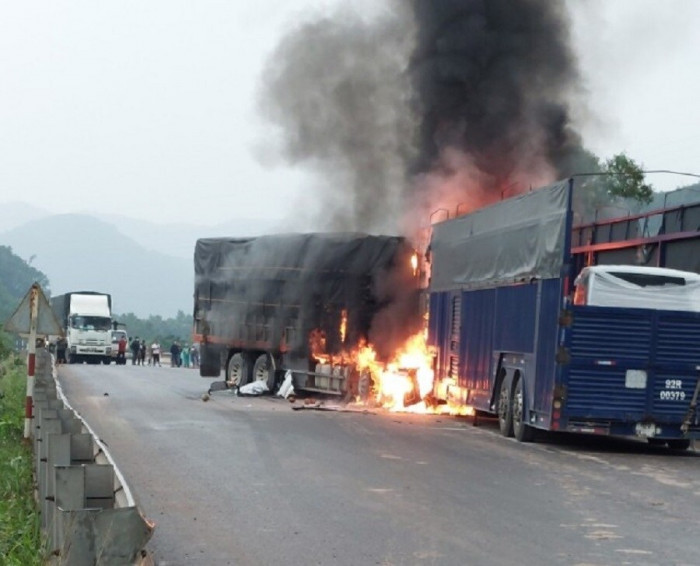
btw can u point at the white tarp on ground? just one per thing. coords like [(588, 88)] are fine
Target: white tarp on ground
[(660, 292), (254, 388)]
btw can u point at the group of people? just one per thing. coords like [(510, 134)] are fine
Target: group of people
[(184, 356), (142, 354), (138, 352)]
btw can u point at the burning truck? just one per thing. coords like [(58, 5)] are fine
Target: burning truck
[(327, 309)]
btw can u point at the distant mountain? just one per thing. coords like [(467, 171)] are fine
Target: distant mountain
[(178, 239), (81, 252), (14, 214)]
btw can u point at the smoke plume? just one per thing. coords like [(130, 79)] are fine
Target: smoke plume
[(431, 105), (337, 89), (493, 83)]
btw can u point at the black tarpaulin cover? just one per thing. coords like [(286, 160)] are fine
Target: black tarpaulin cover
[(269, 287)]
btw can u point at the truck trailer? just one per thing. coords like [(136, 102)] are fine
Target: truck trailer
[(86, 318), (513, 338), (298, 305)]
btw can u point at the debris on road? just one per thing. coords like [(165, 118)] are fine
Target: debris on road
[(287, 388), (319, 406), (253, 389)]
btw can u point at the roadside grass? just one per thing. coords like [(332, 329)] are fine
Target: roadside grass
[(20, 532)]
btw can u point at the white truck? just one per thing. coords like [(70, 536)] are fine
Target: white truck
[(86, 317)]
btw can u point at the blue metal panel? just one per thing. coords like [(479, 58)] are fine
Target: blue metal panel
[(602, 332), (604, 343), (545, 374), (438, 325), (435, 322), (600, 392), (516, 312), (678, 338), (477, 336)]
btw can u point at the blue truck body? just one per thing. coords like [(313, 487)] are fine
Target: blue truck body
[(502, 340)]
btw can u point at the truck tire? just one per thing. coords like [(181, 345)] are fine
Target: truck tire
[(263, 370), (521, 430), (237, 371), (505, 415)]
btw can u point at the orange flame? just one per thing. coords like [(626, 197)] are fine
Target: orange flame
[(414, 263), (343, 325), (403, 384)]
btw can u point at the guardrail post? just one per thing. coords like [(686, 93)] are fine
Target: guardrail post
[(58, 455), (69, 483)]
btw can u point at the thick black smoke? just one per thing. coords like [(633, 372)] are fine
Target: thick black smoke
[(433, 103), (494, 80)]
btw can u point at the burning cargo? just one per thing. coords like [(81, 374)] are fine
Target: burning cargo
[(304, 303)]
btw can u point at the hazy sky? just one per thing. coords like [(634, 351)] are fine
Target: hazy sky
[(148, 108)]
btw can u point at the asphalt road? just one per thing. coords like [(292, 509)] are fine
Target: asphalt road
[(249, 481)]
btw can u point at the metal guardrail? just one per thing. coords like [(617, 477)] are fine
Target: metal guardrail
[(88, 513)]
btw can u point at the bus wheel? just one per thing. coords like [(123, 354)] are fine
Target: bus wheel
[(505, 416), (264, 371), (679, 443), (237, 371), (521, 430)]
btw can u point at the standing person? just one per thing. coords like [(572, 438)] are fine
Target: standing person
[(194, 356), (121, 351), (61, 345), (186, 356), (155, 353), (174, 353), (135, 350), (142, 352)]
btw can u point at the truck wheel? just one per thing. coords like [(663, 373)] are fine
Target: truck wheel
[(263, 371), (505, 416), (679, 443), (521, 431), (237, 371)]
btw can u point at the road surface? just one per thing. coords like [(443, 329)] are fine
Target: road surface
[(249, 481)]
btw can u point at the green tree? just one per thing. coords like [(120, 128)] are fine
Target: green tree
[(625, 179), (617, 183), (166, 330)]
